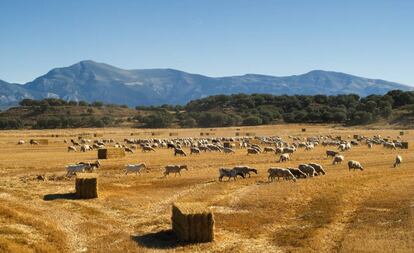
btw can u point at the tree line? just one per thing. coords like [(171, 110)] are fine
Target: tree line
[(222, 111)]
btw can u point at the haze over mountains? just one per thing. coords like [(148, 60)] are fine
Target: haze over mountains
[(92, 81)]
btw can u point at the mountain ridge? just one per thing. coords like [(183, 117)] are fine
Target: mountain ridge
[(89, 80)]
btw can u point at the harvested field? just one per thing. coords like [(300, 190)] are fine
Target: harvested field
[(358, 211)]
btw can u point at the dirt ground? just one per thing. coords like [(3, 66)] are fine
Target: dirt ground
[(361, 211)]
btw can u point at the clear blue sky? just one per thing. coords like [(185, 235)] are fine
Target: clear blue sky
[(370, 38)]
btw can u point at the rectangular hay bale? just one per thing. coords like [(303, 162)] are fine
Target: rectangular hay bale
[(98, 135), (173, 134), (192, 222), (109, 153), (86, 185)]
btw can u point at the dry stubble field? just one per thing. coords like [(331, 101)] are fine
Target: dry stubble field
[(369, 211)]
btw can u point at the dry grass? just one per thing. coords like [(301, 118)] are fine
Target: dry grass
[(369, 211)]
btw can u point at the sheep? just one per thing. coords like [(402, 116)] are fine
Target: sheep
[(390, 145), (128, 150), (228, 151), (269, 149), (279, 150), (338, 159), (33, 142), (289, 150), (21, 142), (331, 153), (147, 149), (354, 165), (244, 170), (398, 161), (370, 145), (135, 168), (308, 170), (174, 169), (91, 166), (284, 158), (318, 168), (85, 148), (252, 151), (230, 173), (297, 173), (72, 148), (72, 169), (178, 151), (194, 150), (280, 172)]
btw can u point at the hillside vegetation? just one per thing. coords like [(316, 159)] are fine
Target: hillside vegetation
[(395, 107)]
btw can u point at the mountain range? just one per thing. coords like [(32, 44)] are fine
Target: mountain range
[(93, 81)]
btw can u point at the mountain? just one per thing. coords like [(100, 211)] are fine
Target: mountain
[(90, 81)]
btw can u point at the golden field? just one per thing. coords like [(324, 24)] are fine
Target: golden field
[(361, 211)]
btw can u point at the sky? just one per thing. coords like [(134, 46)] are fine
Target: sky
[(369, 38)]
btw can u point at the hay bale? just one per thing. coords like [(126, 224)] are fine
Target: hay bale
[(250, 134), (404, 145), (303, 129), (109, 153), (97, 135), (227, 145), (86, 185), (192, 222), (41, 141), (173, 134), (237, 134), (356, 136), (401, 132)]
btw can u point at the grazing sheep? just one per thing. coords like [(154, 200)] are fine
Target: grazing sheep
[(244, 170), (33, 142), (135, 168), (269, 149), (338, 159), (252, 151), (318, 168), (228, 150), (279, 150), (297, 173), (390, 145), (147, 149), (284, 158), (370, 145), (398, 160), (180, 152), (308, 170), (230, 173), (354, 165), (21, 142), (280, 173), (331, 153), (194, 150), (174, 169), (128, 150), (289, 150), (72, 148)]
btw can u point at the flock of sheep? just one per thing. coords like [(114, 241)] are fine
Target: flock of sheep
[(253, 146)]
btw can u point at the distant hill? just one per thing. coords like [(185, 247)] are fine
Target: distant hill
[(92, 81)]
